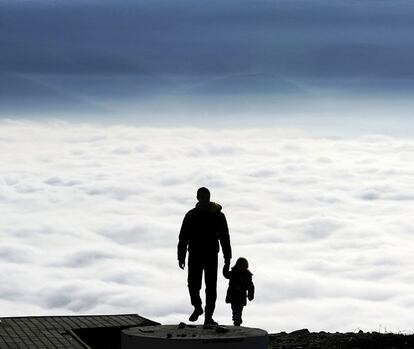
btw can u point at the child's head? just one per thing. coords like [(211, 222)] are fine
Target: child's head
[(242, 264)]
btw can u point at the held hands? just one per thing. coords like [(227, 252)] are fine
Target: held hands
[(226, 268), (181, 264)]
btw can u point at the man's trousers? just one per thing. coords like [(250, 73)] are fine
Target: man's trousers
[(197, 265)]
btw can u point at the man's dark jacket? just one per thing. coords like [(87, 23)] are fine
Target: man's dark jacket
[(202, 231)]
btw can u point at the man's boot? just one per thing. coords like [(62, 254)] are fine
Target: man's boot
[(208, 321), (196, 313)]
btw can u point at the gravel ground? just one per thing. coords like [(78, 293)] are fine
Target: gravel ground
[(303, 339)]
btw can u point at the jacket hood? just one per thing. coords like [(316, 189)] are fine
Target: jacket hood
[(214, 207), (237, 270)]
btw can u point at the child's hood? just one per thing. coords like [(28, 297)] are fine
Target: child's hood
[(237, 271)]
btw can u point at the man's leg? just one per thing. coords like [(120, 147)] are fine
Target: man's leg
[(210, 278), (195, 273)]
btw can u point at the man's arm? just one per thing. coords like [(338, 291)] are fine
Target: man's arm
[(224, 238), (226, 271), (250, 289), (183, 241)]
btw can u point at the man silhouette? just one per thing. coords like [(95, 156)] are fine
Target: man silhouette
[(203, 228)]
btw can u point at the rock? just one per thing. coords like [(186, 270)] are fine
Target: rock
[(301, 332)]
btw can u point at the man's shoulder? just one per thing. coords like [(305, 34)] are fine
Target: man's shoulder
[(195, 212), (220, 215), (192, 212)]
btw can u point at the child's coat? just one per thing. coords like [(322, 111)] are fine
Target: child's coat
[(240, 286)]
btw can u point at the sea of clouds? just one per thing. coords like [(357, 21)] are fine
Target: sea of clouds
[(90, 217)]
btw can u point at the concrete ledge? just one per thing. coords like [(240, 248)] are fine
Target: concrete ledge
[(191, 336)]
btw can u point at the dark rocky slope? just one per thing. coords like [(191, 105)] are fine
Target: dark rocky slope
[(303, 339)]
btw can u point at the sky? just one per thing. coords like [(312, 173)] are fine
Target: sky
[(187, 63), (297, 115)]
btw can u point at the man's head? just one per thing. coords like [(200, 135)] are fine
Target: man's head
[(203, 196)]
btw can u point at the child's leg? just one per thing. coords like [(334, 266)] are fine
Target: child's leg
[(241, 311), (237, 311)]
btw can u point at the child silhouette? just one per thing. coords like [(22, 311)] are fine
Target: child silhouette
[(240, 286)]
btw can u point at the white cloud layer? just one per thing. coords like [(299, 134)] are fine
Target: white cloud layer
[(90, 218)]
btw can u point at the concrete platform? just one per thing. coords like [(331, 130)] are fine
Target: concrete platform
[(191, 336)]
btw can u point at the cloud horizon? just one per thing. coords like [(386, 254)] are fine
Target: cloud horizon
[(92, 214)]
